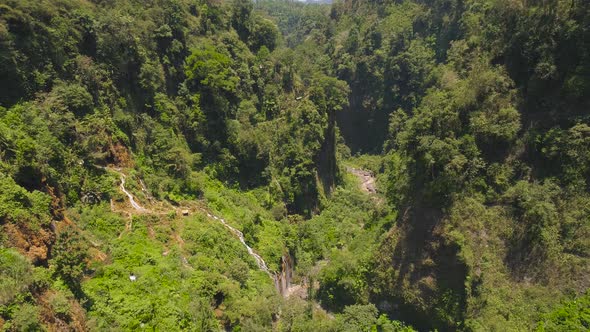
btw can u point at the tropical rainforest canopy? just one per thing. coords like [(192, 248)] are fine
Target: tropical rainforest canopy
[(274, 165)]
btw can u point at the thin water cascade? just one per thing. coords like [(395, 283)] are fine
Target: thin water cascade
[(134, 204), (122, 176), (281, 279), (259, 261)]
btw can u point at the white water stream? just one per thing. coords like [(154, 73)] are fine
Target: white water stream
[(134, 204), (282, 279), (259, 261)]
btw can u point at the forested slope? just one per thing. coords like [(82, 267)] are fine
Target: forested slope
[(176, 94), (486, 153), (475, 114)]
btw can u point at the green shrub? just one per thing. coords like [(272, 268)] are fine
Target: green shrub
[(60, 305), (15, 275), (573, 315), (25, 319)]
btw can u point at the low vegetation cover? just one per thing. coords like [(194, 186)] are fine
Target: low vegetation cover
[(400, 165)]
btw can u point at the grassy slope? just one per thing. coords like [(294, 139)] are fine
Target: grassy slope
[(184, 265)]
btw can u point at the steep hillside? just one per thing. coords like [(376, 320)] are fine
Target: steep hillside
[(171, 92), (276, 165), (485, 153)]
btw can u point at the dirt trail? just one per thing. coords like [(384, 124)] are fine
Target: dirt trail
[(367, 179)]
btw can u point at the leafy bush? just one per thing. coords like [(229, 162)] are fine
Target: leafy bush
[(18, 205), (25, 318), (571, 316), (60, 305), (15, 275)]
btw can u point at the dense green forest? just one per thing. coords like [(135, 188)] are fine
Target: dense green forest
[(274, 165)]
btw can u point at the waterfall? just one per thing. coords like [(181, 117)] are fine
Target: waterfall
[(282, 279), (259, 261), (122, 176), (134, 204)]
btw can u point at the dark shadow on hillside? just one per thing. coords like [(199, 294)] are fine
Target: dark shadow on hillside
[(426, 266)]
